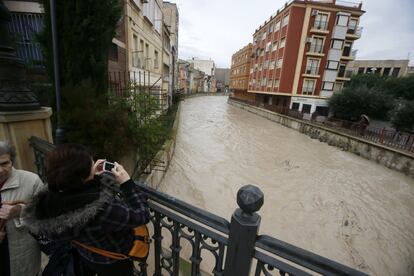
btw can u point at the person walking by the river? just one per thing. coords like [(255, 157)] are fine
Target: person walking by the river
[(363, 124), (19, 251)]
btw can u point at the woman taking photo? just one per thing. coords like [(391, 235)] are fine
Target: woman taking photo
[(85, 204)]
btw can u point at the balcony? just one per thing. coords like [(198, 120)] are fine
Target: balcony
[(344, 74), (234, 246), (315, 50), (348, 54), (311, 71), (354, 32), (320, 27)]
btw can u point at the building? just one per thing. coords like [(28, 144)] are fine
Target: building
[(208, 67), (25, 23), (389, 67), (222, 77), (239, 74), (191, 80), (171, 21), (300, 54)]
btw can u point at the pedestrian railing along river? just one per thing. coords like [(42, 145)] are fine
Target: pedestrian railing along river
[(234, 246), (391, 138)]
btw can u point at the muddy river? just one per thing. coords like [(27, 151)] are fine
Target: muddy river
[(317, 197)]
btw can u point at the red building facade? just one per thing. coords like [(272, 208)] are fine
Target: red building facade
[(299, 56)]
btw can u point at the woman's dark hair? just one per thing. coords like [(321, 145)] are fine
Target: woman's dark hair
[(67, 166)]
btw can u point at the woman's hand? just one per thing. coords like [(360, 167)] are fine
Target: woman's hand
[(97, 167), (121, 175)]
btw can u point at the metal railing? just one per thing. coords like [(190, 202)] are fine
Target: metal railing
[(316, 48), (234, 246), (312, 70), (391, 138)]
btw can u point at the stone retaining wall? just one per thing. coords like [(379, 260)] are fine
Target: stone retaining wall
[(391, 158)]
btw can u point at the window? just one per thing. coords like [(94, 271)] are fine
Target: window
[(342, 69), (295, 106), (156, 60), (317, 45), (274, 47), (113, 52), (347, 49), (333, 65), (264, 82), (277, 26), (282, 43), (271, 65), (270, 29), (276, 83), (386, 71), (268, 46), (285, 20), (327, 85), (337, 44), (312, 66), (395, 71), (308, 87), (321, 21), (353, 22), (338, 86), (279, 63), (361, 70), (342, 20), (306, 108)]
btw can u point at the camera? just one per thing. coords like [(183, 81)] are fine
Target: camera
[(107, 166)]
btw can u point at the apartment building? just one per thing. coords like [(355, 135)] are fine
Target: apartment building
[(300, 54), (388, 67), (171, 21), (239, 74)]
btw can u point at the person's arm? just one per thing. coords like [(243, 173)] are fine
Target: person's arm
[(133, 210)]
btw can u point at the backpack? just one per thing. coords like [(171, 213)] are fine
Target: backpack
[(139, 251)]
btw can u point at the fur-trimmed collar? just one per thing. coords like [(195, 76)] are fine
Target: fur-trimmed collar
[(73, 220)]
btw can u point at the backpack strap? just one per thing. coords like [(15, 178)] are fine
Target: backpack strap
[(102, 252)]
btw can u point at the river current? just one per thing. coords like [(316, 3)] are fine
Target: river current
[(317, 197)]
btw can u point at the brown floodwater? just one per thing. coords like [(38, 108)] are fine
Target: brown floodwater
[(317, 197)]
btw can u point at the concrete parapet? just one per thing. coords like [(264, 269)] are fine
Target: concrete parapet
[(389, 157), (18, 126)]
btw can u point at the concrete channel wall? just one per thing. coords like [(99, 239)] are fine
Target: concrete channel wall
[(391, 158), (163, 157)]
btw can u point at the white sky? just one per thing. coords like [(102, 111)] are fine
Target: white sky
[(218, 28)]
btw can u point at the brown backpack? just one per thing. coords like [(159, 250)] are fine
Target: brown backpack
[(139, 251)]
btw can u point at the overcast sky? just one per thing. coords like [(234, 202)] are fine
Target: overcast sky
[(218, 28)]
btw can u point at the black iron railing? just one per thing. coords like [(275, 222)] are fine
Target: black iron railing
[(234, 246)]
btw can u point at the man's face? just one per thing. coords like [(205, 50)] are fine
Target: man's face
[(5, 167)]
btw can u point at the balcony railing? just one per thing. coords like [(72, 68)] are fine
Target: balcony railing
[(312, 70), (234, 245), (320, 25), (354, 30), (316, 48), (344, 73)]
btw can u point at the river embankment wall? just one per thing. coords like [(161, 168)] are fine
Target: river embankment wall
[(389, 157)]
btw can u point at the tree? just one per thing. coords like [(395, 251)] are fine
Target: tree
[(357, 100), (402, 116), (85, 30)]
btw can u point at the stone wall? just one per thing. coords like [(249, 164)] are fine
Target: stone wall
[(391, 158)]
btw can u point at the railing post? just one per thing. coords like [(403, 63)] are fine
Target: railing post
[(243, 231)]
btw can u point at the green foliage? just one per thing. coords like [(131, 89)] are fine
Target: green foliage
[(402, 117), (352, 102), (368, 80), (91, 121), (374, 95), (85, 30)]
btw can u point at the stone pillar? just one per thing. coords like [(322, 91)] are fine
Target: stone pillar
[(18, 126)]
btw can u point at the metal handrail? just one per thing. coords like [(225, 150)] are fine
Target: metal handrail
[(206, 231)]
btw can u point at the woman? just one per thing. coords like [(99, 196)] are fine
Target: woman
[(84, 204)]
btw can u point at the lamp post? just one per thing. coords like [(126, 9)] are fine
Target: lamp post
[(15, 94), (59, 134)]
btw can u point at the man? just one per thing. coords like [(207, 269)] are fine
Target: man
[(19, 252)]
